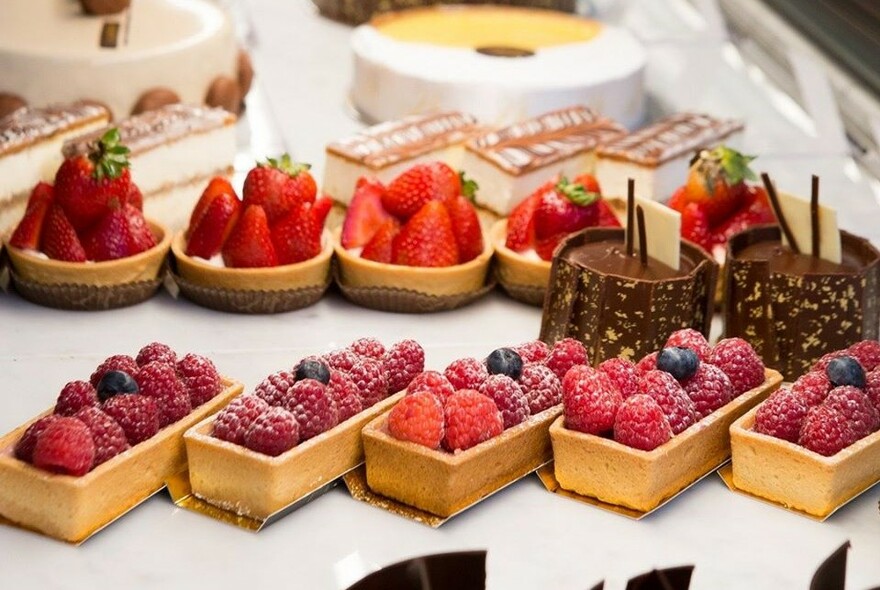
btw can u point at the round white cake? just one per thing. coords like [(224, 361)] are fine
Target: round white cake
[(500, 64), (52, 52)]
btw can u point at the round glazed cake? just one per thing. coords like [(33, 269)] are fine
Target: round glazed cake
[(501, 64), (52, 52)]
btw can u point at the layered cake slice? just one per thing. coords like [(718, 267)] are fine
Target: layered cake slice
[(175, 150), (509, 164), (387, 149), (657, 156), (30, 148)]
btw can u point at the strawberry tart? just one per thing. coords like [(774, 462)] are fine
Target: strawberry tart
[(110, 442)]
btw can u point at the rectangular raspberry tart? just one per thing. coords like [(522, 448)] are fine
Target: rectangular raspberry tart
[(30, 148), (175, 150), (387, 149), (509, 164), (658, 156)]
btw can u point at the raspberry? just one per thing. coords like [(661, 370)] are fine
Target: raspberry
[(433, 382), (813, 387), (508, 397), (590, 402), (117, 362), (541, 386), (466, 373), (623, 374), (344, 394), (341, 360), (822, 363), (273, 432), (872, 388), (690, 338), (676, 405), (273, 390), (369, 377), (75, 396), (856, 407), (368, 347), (641, 424), (740, 362), (156, 352), (312, 406), (534, 351), (471, 418), (160, 382), (403, 362), (648, 363), (24, 448), (108, 436), (825, 431), (574, 374), (233, 421), (138, 415), (200, 378), (782, 415), (565, 354), (66, 447), (867, 352), (710, 388), (418, 418)]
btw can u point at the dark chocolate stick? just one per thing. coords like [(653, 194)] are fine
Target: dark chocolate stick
[(643, 241), (783, 224), (814, 216), (630, 214)]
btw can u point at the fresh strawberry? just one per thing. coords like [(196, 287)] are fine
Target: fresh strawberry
[(59, 240), (607, 218), (134, 197), (521, 223), (218, 186), (427, 239), (678, 199), (297, 236), (695, 225), (712, 179), (365, 213), (565, 208), (757, 210), (465, 224), (408, 193), (321, 209), (142, 238), (279, 185), (109, 239), (213, 224), (87, 185), (379, 248), (250, 243), (30, 228)]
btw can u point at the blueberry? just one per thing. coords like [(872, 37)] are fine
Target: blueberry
[(678, 361), (505, 361), (846, 370), (311, 369), (115, 383)]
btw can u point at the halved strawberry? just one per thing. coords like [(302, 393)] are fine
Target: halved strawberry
[(214, 224), (321, 208), (713, 179), (426, 239), (565, 208), (379, 248), (250, 243), (695, 225), (297, 236), (30, 228), (465, 226), (431, 181), (59, 241), (521, 222), (679, 199), (216, 186), (278, 185), (756, 211), (365, 213), (142, 238), (109, 239), (607, 218)]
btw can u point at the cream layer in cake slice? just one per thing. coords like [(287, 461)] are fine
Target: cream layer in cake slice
[(509, 164), (175, 150), (30, 149), (657, 157), (387, 149)]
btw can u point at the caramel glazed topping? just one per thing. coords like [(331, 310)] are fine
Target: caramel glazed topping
[(24, 126), (669, 138), (391, 142), (546, 139), (154, 128)]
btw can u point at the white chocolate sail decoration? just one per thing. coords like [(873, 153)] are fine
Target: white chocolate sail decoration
[(663, 233)]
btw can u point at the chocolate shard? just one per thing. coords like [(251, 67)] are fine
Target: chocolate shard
[(673, 578), (599, 586), (831, 575), (464, 570)]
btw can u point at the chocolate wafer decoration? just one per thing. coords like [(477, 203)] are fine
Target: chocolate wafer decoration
[(783, 224), (630, 212), (643, 239), (814, 217)]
